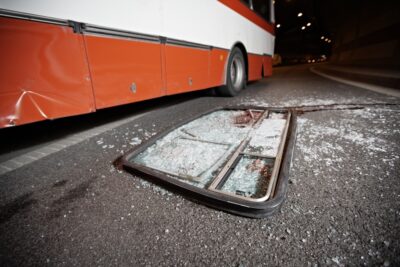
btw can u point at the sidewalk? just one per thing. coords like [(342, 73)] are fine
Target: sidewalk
[(379, 80)]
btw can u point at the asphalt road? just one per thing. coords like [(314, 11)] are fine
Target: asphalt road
[(73, 208)]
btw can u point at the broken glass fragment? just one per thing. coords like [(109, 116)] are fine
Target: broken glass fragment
[(233, 154)]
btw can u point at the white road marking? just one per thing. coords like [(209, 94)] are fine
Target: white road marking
[(32, 156), (375, 88), (369, 72)]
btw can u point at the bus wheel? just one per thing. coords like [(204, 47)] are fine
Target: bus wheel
[(235, 74)]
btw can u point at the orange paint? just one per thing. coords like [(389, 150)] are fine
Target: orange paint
[(246, 12), (267, 63), (218, 59), (50, 72), (186, 69), (116, 64), (43, 73), (255, 67), (163, 71)]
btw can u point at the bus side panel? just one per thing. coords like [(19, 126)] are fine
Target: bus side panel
[(186, 68), (223, 23), (267, 63), (255, 67), (215, 23), (218, 58), (43, 74), (123, 70)]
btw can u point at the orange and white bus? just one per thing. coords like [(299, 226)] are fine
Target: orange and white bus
[(64, 58)]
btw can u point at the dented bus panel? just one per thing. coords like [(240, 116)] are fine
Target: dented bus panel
[(74, 58), (44, 74)]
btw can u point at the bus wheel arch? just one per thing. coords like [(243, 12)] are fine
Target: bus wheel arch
[(246, 58), (237, 62)]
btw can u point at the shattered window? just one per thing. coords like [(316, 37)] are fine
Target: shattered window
[(232, 153)]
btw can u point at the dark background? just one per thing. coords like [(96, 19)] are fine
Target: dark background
[(360, 32)]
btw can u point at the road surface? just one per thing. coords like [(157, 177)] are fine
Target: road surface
[(69, 206)]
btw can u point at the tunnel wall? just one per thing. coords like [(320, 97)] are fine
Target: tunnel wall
[(370, 36)]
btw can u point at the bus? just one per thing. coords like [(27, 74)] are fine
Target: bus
[(65, 58)]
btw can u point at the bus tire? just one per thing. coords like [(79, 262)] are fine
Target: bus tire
[(235, 74)]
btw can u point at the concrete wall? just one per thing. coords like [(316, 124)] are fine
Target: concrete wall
[(369, 36)]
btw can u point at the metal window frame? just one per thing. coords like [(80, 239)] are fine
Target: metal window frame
[(277, 161), (234, 204)]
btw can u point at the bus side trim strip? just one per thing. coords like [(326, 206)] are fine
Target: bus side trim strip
[(31, 17), (88, 28), (83, 28)]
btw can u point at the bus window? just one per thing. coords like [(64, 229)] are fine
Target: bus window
[(246, 2), (262, 7)]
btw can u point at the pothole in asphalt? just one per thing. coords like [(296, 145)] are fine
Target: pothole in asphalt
[(234, 159)]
